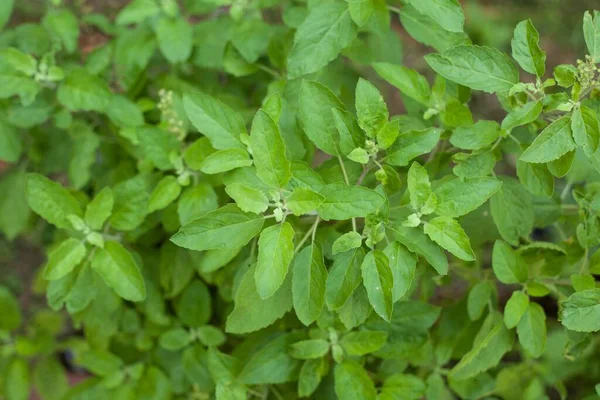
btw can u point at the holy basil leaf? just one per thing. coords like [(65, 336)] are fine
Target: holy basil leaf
[(51, 201), (411, 144), (459, 197), (371, 109), (64, 258), (308, 283), (581, 311), (477, 67), (304, 200), (447, 13), (309, 349), (515, 308), (343, 278), (552, 143), (418, 242), (347, 241), (512, 211), (359, 343), (248, 198), (532, 330), (379, 282), (165, 192), (526, 49), (409, 81), (353, 383), (522, 115), (275, 252), (450, 235), (591, 33), (99, 209), (509, 267), (225, 160), (268, 151), (586, 129), (344, 202), (175, 38)]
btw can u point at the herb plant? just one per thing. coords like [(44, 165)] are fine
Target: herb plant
[(230, 210)]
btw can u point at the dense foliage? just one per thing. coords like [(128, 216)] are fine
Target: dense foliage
[(230, 211)]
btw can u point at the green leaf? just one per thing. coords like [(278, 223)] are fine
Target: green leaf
[(459, 197), (532, 330), (247, 198), (474, 137), (62, 24), (225, 228), (174, 339), (360, 10), (347, 241), (419, 186), (371, 109), (403, 264), (536, 178), (417, 242), (409, 81), (565, 75), (275, 252), (388, 134), (308, 349), (51, 201), (157, 146), (515, 308), (166, 191), (251, 38), (124, 113), (353, 383), (426, 30), (581, 311), (477, 67), (344, 202), (130, 203), (526, 49), (522, 115), (379, 282), (344, 277), (268, 151), (509, 267), (119, 270), (17, 380), (450, 235), (195, 202), (315, 109), (10, 143), (175, 38), (308, 283), (6, 8), (447, 13), (14, 212), (326, 31), (512, 211), (193, 306), (490, 345), (215, 120), (359, 343), (19, 61), (412, 144), (251, 312), (591, 33), (100, 362), (403, 387), (225, 160), (552, 143), (478, 299), (99, 209), (311, 373), (50, 379), (82, 91), (586, 129), (303, 201), (11, 314), (137, 11), (64, 258)]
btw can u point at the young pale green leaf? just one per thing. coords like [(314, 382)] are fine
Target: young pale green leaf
[(459, 197), (403, 264), (351, 136), (526, 49), (347, 241), (418, 242), (552, 143), (419, 186), (446, 232), (315, 109), (522, 115), (215, 120), (247, 198), (344, 202), (474, 137), (309, 349), (166, 191), (225, 160), (565, 75), (379, 283), (18, 60), (371, 110), (586, 129), (532, 330), (561, 166), (388, 134), (64, 258), (119, 270), (324, 33), (478, 299), (512, 211), (268, 151), (409, 81), (359, 343), (509, 267), (250, 312), (490, 345), (99, 209), (359, 155), (275, 252), (515, 308), (308, 283), (343, 278), (225, 228), (303, 201), (411, 144), (352, 382), (477, 67), (51, 201), (591, 33), (447, 13), (581, 311)]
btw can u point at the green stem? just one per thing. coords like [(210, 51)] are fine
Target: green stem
[(310, 233)]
